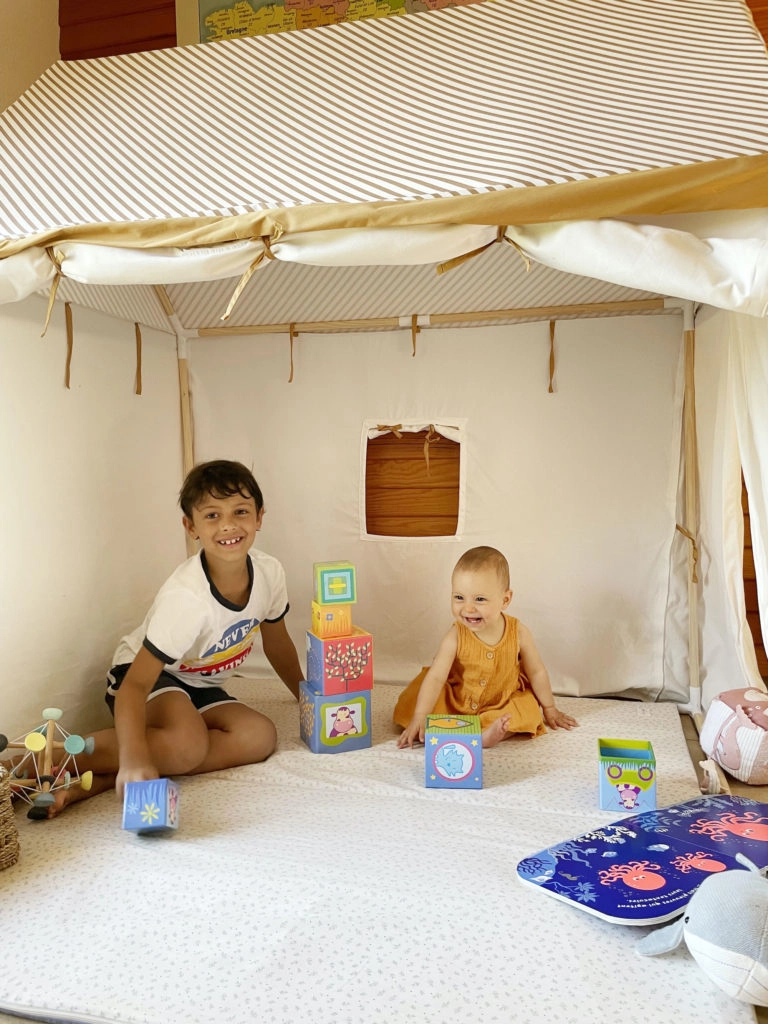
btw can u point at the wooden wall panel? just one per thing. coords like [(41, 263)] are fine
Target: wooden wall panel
[(102, 28), (759, 10), (750, 589)]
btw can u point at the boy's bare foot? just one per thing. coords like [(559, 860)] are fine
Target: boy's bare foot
[(64, 797), (496, 731)]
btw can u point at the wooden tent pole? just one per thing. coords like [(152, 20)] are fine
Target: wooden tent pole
[(691, 510), (393, 323), (713, 780)]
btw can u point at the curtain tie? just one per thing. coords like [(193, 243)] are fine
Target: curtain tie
[(694, 551)]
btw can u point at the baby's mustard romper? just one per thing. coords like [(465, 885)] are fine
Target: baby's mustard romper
[(485, 680)]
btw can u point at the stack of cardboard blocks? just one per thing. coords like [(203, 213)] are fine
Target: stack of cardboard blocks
[(335, 700)]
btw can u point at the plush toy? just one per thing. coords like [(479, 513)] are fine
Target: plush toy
[(725, 927)]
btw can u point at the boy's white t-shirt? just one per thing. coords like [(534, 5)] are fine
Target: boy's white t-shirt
[(199, 635)]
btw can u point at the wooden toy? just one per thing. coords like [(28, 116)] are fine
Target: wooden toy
[(331, 620), (151, 806), (335, 583), (340, 664), (627, 775), (331, 725), (453, 752), (48, 763), (643, 869)]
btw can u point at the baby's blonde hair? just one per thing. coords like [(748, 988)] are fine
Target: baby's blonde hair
[(485, 558)]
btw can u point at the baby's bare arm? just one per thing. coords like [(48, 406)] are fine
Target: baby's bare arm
[(430, 688), (538, 677)]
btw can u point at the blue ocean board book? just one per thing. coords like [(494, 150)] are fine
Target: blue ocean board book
[(643, 869)]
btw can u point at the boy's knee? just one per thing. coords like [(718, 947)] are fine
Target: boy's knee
[(266, 741), (189, 751)]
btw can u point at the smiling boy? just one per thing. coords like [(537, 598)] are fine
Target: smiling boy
[(172, 716)]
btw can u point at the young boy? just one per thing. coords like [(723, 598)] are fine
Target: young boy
[(486, 665), (172, 716)]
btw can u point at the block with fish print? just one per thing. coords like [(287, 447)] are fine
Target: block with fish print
[(453, 752)]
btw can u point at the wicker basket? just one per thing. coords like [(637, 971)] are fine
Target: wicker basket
[(9, 835)]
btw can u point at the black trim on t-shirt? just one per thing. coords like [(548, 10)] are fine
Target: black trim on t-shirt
[(157, 652), (279, 617), (219, 597)]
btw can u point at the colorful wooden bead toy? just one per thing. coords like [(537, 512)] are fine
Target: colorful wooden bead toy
[(48, 763)]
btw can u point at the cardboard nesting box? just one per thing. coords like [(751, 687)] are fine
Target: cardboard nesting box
[(627, 775)]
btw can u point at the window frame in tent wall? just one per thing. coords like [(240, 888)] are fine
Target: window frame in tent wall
[(397, 491)]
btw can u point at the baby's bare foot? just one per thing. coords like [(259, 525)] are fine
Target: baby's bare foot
[(496, 731)]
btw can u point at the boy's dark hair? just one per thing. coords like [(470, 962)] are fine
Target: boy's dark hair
[(485, 558), (219, 479)]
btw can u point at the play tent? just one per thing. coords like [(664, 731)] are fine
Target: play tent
[(535, 226)]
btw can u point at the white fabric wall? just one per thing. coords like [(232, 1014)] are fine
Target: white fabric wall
[(578, 488), (88, 513), (732, 428)]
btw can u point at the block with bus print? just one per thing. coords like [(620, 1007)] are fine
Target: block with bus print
[(332, 724), (335, 583), (340, 664), (453, 752), (331, 620)]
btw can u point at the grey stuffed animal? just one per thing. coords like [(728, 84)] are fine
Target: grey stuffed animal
[(725, 927)]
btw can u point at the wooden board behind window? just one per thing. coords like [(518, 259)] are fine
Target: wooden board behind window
[(402, 497)]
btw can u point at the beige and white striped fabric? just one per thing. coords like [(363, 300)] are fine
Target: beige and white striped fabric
[(490, 98)]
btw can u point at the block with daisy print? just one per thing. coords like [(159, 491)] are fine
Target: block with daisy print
[(151, 806)]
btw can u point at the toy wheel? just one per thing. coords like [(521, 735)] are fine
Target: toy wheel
[(67, 780), (86, 781), (42, 800), (74, 744), (37, 813), (89, 745), (35, 741), (52, 714), (3, 741)]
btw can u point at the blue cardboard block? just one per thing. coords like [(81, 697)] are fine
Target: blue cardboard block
[(453, 752), (627, 775), (331, 724), (151, 806)]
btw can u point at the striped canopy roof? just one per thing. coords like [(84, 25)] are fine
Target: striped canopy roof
[(504, 113), (464, 114)]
